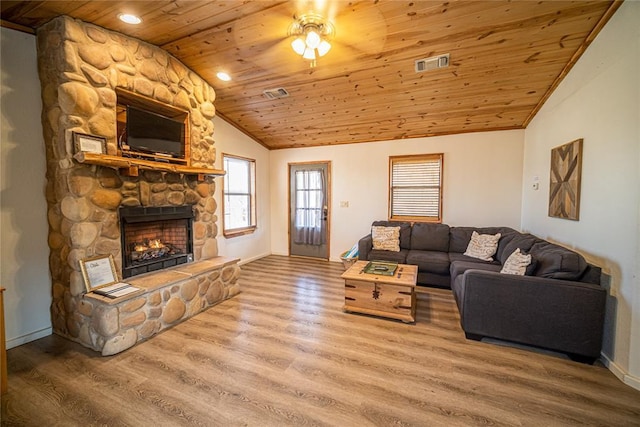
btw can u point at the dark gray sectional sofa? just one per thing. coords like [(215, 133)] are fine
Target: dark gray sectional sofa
[(558, 305)]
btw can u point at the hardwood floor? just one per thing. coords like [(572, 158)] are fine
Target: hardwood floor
[(284, 353)]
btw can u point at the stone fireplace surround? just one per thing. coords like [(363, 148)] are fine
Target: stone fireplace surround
[(80, 67)]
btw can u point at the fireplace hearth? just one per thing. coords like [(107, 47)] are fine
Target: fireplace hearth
[(155, 238)]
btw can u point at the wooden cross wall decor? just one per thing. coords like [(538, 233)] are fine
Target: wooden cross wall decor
[(564, 185)]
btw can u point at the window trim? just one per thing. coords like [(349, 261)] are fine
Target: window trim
[(241, 231), (393, 159)]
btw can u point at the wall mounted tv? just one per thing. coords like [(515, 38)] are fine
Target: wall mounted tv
[(155, 134)]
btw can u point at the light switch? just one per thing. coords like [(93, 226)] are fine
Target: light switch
[(344, 204)]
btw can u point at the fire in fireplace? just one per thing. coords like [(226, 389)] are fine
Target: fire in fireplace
[(154, 238)]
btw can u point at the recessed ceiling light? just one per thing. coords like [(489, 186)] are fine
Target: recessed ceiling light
[(223, 76), (129, 19)]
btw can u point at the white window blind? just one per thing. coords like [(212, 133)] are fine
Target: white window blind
[(416, 187)]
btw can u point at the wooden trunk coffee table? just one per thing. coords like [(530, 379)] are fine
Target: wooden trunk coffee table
[(393, 297)]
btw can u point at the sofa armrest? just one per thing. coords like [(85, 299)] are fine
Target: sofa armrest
[(364, 247), (556, 314)]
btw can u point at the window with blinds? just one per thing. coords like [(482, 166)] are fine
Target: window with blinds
[(415, 187), (239, 198)]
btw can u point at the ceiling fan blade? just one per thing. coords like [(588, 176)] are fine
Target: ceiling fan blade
[(361, 27)]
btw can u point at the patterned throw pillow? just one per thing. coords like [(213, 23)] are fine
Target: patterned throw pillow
[(386, 238), (483, 246), (517, 263)]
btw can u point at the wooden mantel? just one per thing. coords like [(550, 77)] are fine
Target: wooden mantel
[(130, 166)]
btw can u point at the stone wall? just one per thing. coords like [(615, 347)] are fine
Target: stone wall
[(167, 298), (80, 66)]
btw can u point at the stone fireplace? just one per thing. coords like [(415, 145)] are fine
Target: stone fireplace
[(82, 70)]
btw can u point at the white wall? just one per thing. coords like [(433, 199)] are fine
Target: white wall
[(482, 183), (229, 140), (599, 101), (24, 254)]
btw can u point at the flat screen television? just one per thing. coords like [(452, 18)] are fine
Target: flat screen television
[(153, 133)]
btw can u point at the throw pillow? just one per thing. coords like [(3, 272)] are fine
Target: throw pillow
[(517, 263), (483, 246), (386, 238)]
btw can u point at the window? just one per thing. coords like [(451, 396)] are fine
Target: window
[(415, 188), (239, 198)]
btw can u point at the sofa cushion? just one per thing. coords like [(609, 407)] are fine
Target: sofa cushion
[(399, 257), (459, 238), (430, 237), (556, 262), (405, 231), (386, 238), (459, 267), (483, 246), (507, 235), (524, 242), (453, 256), (429, 261), (518, 263)]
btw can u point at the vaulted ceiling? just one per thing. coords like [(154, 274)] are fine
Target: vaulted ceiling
[(506, 57)]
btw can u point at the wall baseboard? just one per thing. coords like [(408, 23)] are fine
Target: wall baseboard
[(280, 253), (255, 258), (620, 373), (23, 339)]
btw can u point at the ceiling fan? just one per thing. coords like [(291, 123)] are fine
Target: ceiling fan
[(266, 37)]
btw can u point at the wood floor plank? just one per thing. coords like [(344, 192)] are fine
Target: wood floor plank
[(283, 352)]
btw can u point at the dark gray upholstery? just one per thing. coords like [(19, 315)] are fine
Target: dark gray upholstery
[(557, 305), (399, 257), (460, 267), (454, 256), (560, 315), (513, 242), (430, 237), (556, 262), (459, 238), (434, 262)]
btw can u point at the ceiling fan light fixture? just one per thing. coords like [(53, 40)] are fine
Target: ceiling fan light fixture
[(311, 34), (309, 54), (313, 39), (298, 46), (323, 48)]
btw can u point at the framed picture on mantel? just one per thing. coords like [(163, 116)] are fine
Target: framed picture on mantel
[(564, 184), (89, 143)]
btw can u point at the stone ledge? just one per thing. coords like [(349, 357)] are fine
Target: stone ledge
[(159, 279), (166, 298)]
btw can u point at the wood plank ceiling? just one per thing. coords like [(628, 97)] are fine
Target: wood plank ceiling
[(505, 60)]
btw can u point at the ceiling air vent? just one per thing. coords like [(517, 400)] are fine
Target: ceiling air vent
[(435, 62), (275, 93)]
